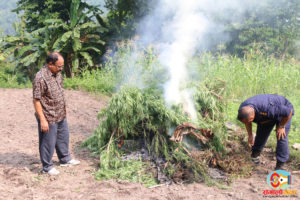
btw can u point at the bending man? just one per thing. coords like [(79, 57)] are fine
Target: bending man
[(267, 110)]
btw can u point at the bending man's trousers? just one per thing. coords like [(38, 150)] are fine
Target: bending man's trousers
[(263, 132)]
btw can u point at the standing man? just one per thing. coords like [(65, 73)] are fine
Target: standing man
[(50, 106), (267, 110)]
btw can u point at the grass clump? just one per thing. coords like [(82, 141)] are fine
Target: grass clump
[(95, 81)]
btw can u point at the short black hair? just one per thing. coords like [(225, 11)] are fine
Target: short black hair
[(52, 57), (242, 114)]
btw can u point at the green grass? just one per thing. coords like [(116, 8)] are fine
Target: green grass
[(95, 81), (130, 170), (251, 76)]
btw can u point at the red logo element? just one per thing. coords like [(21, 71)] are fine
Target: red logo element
[(274, 180)]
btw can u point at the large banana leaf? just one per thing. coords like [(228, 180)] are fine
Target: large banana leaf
[(32, 58), (39, 31), (87, 58), (91, 25), (76, 33), (11, 39), (91, 48), (23, 50), (74, 12), (97, 41), (60, 42), (76, 44), (8, 51)]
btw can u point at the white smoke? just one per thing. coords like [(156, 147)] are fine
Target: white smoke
[(131, 73), (185, 31), (178, 29)]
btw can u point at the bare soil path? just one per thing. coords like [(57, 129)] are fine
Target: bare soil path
[(20, 167)]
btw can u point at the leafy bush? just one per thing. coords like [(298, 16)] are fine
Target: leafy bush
[(10, 79)]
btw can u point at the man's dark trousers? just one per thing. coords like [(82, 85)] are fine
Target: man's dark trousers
[(58, 138), (262, 134)]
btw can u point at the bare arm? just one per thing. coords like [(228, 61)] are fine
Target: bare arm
[(286, 119), (280, 130), (250, 135), (38, 108)]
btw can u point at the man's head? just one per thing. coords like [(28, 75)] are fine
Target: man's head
[(55, 62), (246, 114)]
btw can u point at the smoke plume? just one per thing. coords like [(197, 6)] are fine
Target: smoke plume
[(178, 29)]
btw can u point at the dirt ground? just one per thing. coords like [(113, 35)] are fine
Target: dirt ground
[(20, 167)]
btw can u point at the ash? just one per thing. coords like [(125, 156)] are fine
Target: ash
[(156, 164)]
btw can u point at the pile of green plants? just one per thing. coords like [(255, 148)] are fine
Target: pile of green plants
[(142, 115)]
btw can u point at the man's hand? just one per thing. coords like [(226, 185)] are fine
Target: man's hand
[(44, 126), (38, 108), (250, 140), (280, 133), (250, 135)]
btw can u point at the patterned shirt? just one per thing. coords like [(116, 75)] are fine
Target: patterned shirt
[(48, 89)]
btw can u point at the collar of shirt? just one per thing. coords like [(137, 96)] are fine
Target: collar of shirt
[(49, 73)]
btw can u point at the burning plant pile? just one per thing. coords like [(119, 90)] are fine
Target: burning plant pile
[(135, 140)]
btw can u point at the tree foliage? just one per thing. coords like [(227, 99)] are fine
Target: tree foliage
[(27, 50), (79, 39), (272, 29), (64, 26), (123, 17), (36, 12), (84, 32)]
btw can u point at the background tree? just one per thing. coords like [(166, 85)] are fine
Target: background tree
[(79, 39), (36, 12), (51, 26), (273, 29), (24, 47), (123, 17)]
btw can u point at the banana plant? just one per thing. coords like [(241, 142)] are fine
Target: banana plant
[(79, 39), (25, 48)]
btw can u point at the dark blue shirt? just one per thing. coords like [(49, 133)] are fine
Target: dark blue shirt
[(269, 107)]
